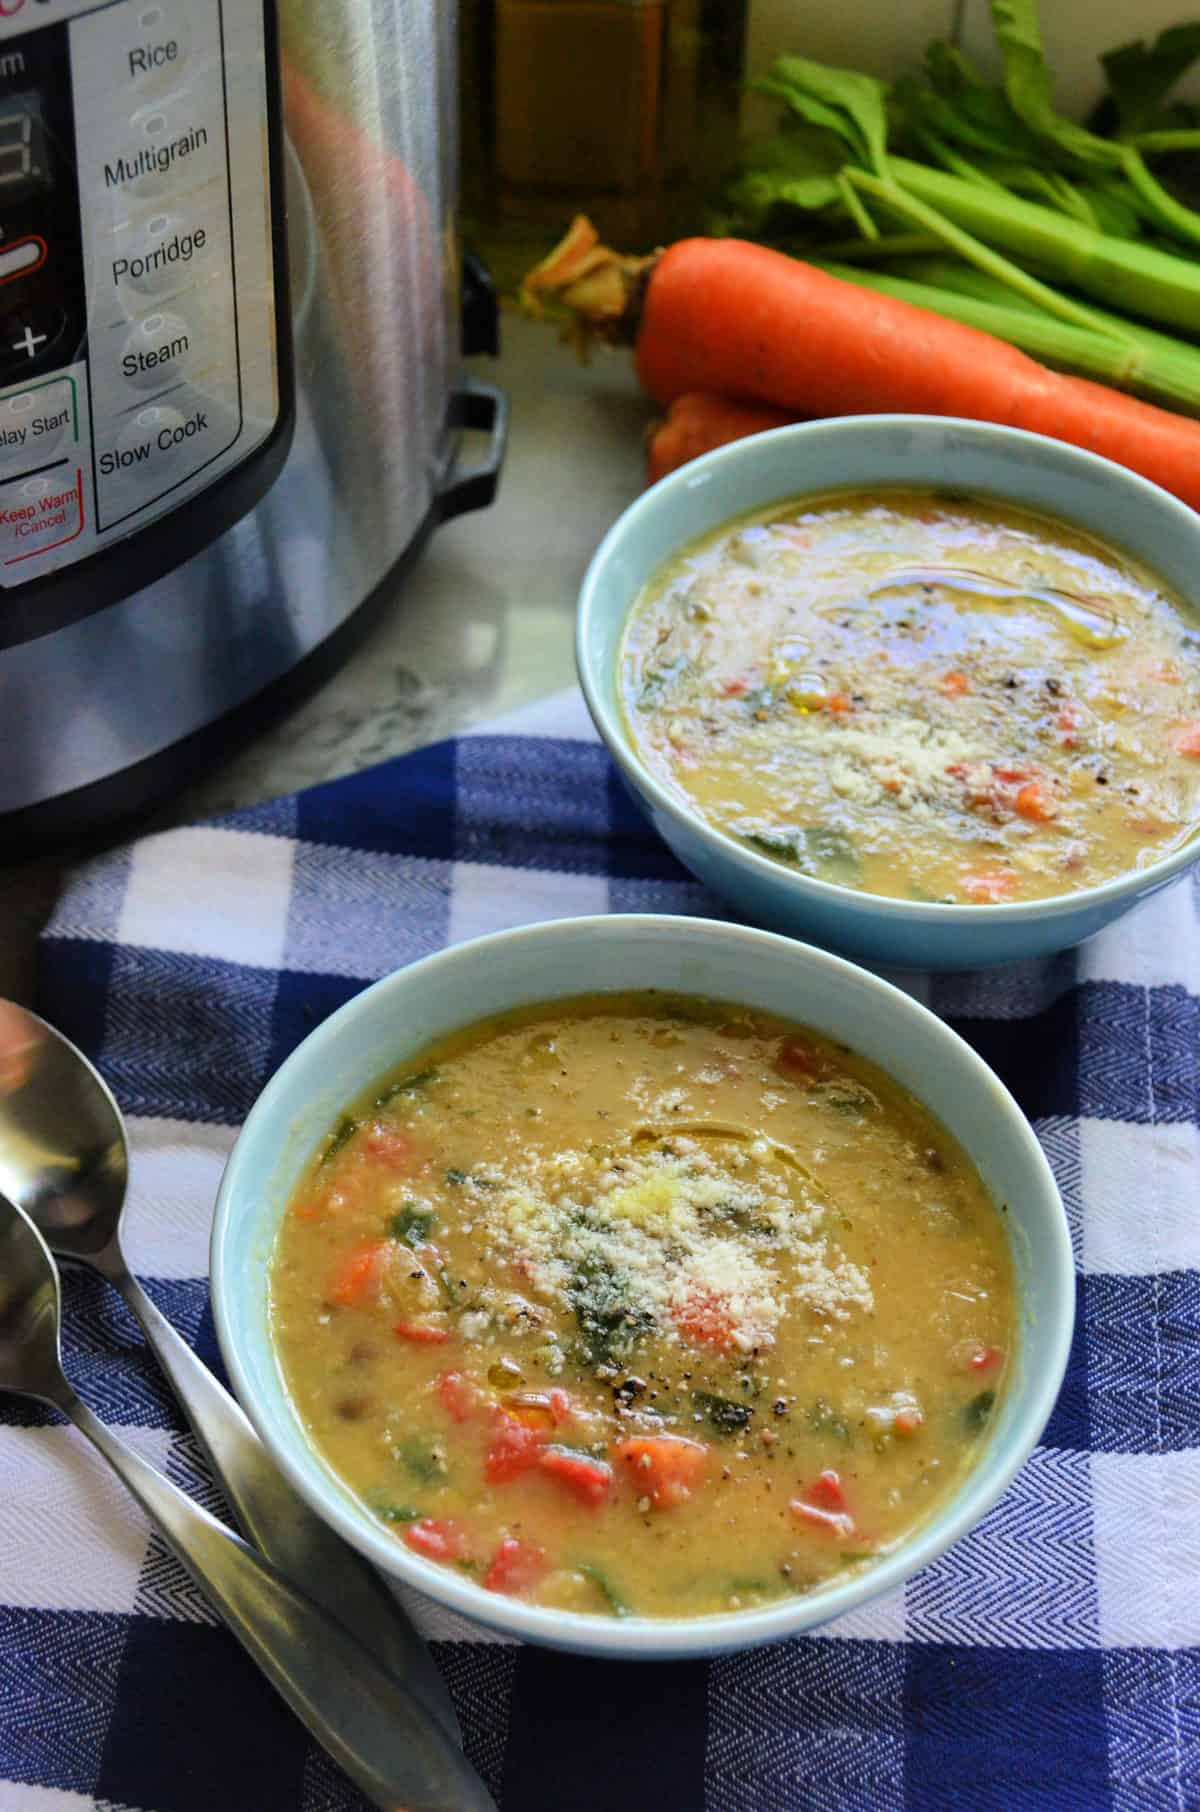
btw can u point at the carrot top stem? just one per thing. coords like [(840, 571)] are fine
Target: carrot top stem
[(596, 292)]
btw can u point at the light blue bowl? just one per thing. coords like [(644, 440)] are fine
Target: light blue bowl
[(865, 451), (397, 1017)]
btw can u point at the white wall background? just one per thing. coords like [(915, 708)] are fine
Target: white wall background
[(885, 36)]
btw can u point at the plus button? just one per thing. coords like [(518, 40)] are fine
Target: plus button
[(28, 343)]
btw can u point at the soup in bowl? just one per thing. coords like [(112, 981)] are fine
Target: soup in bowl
[(651, 1321), (927, 690)]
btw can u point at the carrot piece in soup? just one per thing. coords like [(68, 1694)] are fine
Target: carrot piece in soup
[(954, 684), (1036, 802), (826, 1491), (357, 1274), (824, 1505), (1188, 740), (437, 1538), (705, 1319), (513, 1448), (665, 1468), (989, 886), (515, 1567), (422, 1333), (388, 1146), (588, 1478), (985, 1359)]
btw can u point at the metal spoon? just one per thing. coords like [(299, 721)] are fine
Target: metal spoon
[(64, 1160), (380, 1734)]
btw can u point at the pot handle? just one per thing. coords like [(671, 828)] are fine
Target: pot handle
[(484, 406)]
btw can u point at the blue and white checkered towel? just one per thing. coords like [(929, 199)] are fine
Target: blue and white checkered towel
[(1051, 1660)]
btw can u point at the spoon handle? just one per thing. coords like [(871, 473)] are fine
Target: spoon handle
[(371, 1725), (280, 1523)]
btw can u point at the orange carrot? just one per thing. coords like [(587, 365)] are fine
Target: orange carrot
[(1188, 740), (696, 423), (954, 684), (705, 1319), (735, 319), (1036, 802), (356, 1273), (988, 887), (665, 1468)]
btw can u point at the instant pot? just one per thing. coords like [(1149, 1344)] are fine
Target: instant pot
[(231, 324)]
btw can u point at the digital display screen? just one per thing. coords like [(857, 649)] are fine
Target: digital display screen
[(22, 145)]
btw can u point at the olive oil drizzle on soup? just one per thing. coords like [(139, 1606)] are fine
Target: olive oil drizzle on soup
[(923, 695), (644, 1304)]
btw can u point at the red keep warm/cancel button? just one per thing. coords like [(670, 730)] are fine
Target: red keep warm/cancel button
[(40, 514)]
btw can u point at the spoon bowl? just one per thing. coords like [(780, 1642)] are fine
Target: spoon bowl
[(63, 1153), (64, 1160), (30, 1314)]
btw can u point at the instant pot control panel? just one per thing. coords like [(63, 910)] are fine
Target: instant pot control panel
[(139, 343)]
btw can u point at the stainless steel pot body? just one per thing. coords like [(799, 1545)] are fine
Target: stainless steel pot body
[(326, 157)]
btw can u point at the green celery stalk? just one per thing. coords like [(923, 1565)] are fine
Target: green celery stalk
[(1126, 273), (1169, 139), (974, 250), (851, 251), (1131, 363), (949, 273)]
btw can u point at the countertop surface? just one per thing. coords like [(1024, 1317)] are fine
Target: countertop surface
[(481, 625)]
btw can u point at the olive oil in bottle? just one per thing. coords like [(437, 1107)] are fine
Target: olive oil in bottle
[(625, 110)]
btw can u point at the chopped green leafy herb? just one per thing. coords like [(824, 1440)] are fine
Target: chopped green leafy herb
[(397, 1513), (343, 1132), (422, 1460), (457, 1178), (604, 1585), (979, 1409), (608, 1327), (819, 850), (448, 1287), (408, 1085), (773, 843), (411, 1224), (723, 1416), (830, 855)]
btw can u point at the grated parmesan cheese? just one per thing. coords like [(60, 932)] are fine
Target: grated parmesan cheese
[(671, 1226), (903, 761)]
